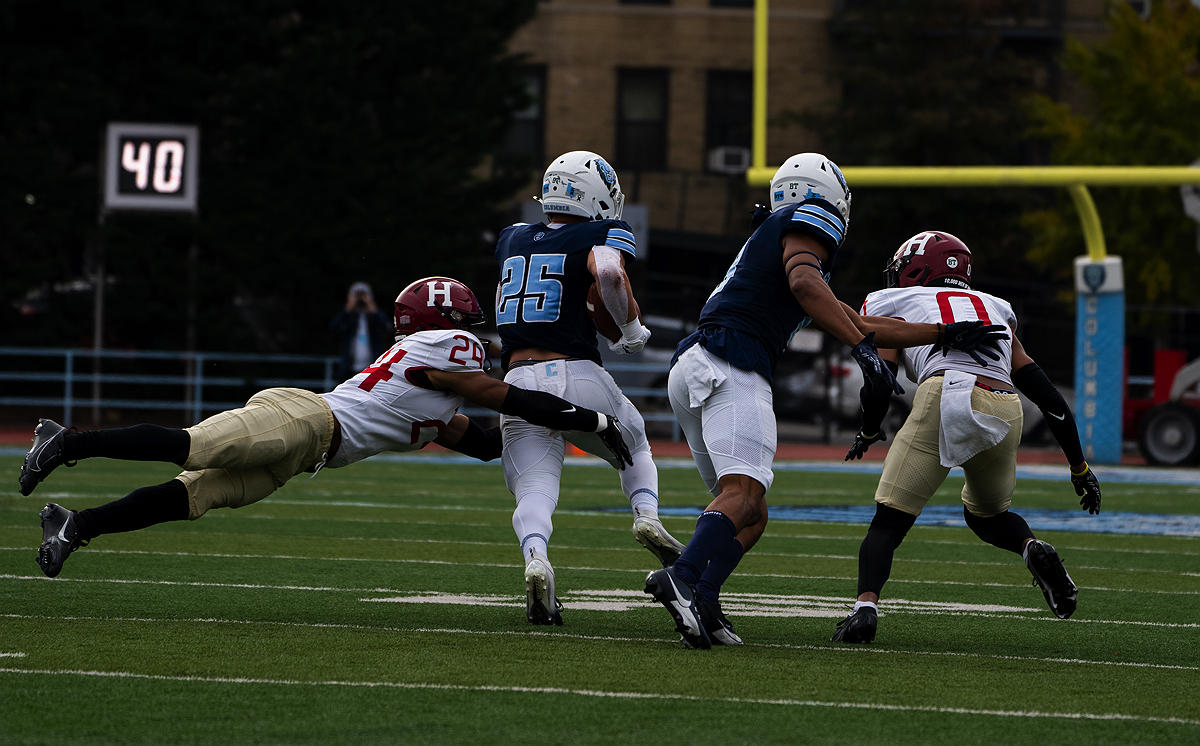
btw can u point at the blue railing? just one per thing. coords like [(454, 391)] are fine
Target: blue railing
[(196, 385)]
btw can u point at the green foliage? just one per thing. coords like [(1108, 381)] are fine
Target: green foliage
[(933, 83), (339, 142), (1143, 83)]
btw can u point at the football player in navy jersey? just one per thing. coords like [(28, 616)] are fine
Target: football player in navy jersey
[(549, 344), (720, 381)]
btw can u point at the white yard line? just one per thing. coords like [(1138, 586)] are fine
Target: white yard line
[(12, 655), (1110, 716)]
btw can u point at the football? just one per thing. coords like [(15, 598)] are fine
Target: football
[(601, 318)]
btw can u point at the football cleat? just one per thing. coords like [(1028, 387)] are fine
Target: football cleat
[(719, 630), (541, 605), (1049, 574), (44, 456), (860, 626), (59, 538), (679, 599), (650, 533)]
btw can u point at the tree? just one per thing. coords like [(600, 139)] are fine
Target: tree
[(1143, 85), (932, 83), (338, 142)]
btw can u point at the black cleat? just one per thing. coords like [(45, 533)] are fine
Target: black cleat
[(679, 599), (44, 456), (59, 538), (719, 629), (1049, 573), (860, 626)]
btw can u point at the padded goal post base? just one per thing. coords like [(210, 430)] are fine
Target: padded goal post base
[(1100, 357)]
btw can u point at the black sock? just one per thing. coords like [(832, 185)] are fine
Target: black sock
[(1005, 530), (720, 567), (137, 443), (141, 508), (888, 529)]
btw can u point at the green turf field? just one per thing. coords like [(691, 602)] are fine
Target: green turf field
[(385, 603)]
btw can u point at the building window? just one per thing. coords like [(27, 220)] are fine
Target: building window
[(526, 139), (645, 2), (728, 108), (642, 119), (733, 3)]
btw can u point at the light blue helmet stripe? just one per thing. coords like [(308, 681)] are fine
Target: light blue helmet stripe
[(821, 225)]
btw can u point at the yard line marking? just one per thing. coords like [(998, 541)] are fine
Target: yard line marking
[(578, 568), (12, 655), (608, 694), (855, 649)]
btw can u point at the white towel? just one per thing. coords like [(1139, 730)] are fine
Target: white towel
[(701, 376), (964, 432)]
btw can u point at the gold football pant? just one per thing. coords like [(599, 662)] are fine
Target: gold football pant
[(241, 456), (913, 469)]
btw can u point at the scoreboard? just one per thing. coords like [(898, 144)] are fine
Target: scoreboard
[(151, 167)]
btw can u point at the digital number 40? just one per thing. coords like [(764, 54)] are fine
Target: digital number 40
[(168, 165)]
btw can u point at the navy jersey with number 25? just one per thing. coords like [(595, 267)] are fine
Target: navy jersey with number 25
[(752, 314), (544, 282)]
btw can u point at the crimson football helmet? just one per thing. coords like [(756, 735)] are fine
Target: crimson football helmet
[(930, 258), (436, 303)]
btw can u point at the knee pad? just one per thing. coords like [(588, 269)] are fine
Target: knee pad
[(1005, 530)]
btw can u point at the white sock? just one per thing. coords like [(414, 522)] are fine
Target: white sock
[(533, 523), (861, 604), (640, 484)]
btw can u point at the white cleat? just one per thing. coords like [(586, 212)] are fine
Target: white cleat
[(650, 533), (541, 605)]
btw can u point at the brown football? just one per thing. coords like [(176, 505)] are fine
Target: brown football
[(601, 318)]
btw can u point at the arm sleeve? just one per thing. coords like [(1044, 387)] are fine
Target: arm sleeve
[(547, 410), (610, 279), (875, 406), (1032, 381), (479, 442)]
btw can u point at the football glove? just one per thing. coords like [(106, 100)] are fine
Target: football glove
[(614, 440), (973, 338), (630, 343), (862, 443), (876, 375), (1088, 488)]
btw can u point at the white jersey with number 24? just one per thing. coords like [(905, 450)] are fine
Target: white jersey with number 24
[(384, 408), (943, 305)]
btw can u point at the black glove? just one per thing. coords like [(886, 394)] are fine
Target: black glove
[(876, 374), (1088, 487), (614, 439), (972, 337), (862, 443)]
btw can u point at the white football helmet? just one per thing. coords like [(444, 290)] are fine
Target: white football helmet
[(582, 183), (808, 176)]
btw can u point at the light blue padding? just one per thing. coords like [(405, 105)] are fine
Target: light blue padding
[(1099, 374), (952, 515)]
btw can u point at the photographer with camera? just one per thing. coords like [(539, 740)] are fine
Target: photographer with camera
[(363, 332)]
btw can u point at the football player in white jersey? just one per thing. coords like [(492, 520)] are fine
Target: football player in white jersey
[(408, 398), (964, 414)]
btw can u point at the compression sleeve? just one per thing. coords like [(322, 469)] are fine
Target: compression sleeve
[(1032, 381), (547, 410), (875, 406), (479, 442), (610, 280)]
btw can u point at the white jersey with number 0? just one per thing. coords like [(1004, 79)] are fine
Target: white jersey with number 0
[(942, 305), (383, 408)]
